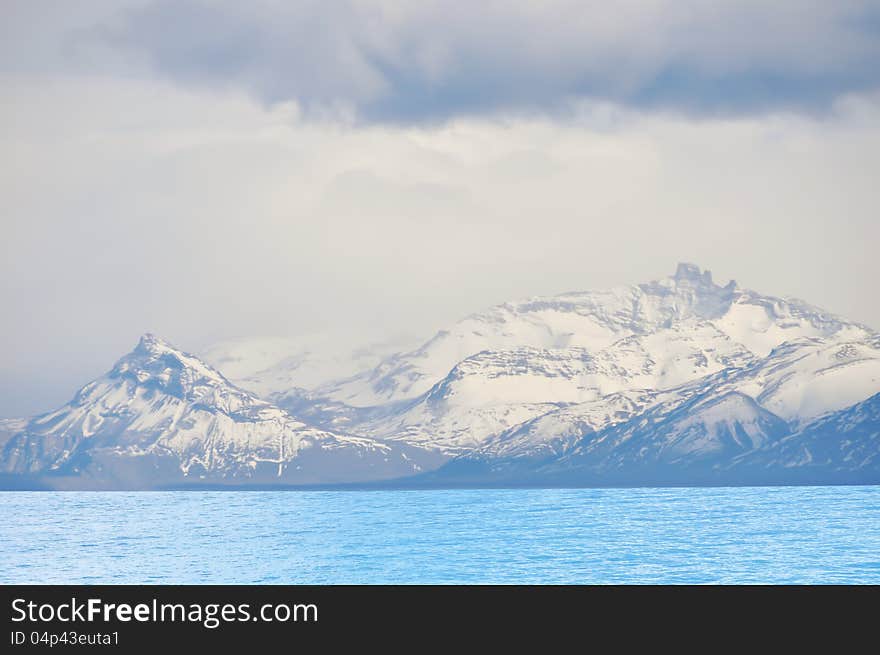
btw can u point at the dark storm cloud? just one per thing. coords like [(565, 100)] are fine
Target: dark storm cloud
[(430, 61)]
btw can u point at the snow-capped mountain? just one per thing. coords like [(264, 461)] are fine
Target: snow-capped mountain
[(797, 382), (532, 374), (677, 381), (691, 438), (699, 432), (495, 390), (162, 416), (594, 320), (807, 378), (843, 445)]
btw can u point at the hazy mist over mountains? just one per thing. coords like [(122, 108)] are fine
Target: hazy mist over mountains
[(215, 171), (367, 240), (675, 381)]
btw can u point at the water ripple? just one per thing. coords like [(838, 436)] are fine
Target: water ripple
[(747, 535)]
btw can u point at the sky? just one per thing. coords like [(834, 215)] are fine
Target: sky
[(210, 170)]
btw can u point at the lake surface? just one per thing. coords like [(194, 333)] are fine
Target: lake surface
[(732, 535)]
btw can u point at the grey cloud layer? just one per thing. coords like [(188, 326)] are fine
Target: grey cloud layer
[(414, 62), (198, 203), (130, 206)]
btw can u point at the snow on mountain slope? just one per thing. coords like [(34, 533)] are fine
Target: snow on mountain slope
[(685, 430), (807, 378), (558, 431), (732, 423), (671, 381), (489, 392), (9, 427), (719, 428), (678, 440), (594, 320), (761, 323), (845, 443), (797, 382), (268, 365), (161, 415)]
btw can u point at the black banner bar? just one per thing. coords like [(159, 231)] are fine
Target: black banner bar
[(133, 618)]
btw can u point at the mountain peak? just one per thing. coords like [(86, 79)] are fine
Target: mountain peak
[(687, 272), (152, 344), (156, 363), (163, 416), (692, 272)]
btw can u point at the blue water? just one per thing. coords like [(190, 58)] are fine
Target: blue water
[(747, 535)]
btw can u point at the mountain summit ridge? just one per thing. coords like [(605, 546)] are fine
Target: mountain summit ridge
[(595, 320), (162, 416), (675, 381)]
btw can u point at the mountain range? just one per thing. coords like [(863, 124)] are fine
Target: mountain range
[(672, 382)]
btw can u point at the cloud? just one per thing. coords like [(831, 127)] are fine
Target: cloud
[(162, 169), (140, 205), (393, 62)]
